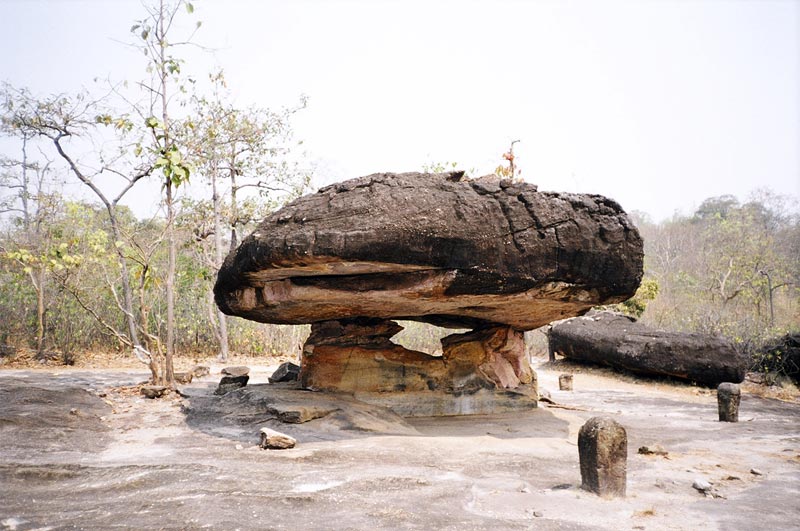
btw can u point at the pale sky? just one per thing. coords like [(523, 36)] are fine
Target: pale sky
[(657, 104)]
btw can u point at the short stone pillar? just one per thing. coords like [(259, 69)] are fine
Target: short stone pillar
[(603, 451), (233, 378), (565, 382), (728, 397)]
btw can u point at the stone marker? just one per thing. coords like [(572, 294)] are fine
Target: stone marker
[(728, 397), (233, 378), (286, 372), (603, 451), (275, 440), (565, 382)]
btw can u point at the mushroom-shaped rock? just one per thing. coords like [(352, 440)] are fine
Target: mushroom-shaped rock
[(437, 248), (492, 255)]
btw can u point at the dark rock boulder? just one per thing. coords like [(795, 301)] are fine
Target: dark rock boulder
[(618, 341), (234, 377), (437, 248), (286, 372)]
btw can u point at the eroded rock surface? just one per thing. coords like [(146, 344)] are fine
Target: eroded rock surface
[(615, 340), (357, 355), (436, 248)]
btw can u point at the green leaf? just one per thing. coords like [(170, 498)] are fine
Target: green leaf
[(189, 7)]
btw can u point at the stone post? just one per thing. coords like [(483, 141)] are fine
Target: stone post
[(728, 397), (603, 451), (565, 382)]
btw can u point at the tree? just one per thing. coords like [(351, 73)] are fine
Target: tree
[(729, 269), (510, 172), (154, 32), (62, 117), (236, 150), (33, 206)]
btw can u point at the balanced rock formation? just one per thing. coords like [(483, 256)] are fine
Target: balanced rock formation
[(606, 338), (491, 255), (436, 248)]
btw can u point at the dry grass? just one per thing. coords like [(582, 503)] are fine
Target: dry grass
[(645, 513), (787, 391)]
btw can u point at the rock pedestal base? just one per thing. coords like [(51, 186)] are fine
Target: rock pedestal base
[(479, 371)]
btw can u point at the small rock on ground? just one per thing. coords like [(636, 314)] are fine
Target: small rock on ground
[(275, 440), (154, 391)]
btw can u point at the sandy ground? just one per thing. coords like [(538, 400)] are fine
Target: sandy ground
[(78, 452)]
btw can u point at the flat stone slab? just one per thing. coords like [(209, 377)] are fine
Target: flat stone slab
[(236, 370), (411, 404), (297, 412)]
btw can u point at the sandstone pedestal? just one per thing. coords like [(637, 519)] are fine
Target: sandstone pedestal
[(728, 397), (603, 450), (479, 372)]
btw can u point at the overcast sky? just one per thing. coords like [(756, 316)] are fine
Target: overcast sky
[(657, 104)]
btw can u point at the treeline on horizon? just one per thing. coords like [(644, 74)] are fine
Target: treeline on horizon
[(729, 268)]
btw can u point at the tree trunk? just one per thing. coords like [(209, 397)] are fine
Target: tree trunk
[(26, 217), (222, 323), (127, 292), (40, 311), (163, 74), (170, 285), (234, 205)]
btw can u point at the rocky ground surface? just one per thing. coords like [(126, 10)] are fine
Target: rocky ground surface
[(81, 450)]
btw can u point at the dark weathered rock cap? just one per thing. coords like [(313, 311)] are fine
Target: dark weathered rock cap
[(433, 247)]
